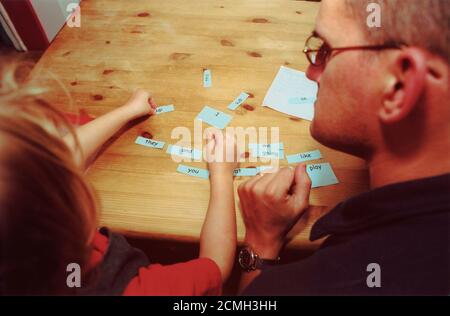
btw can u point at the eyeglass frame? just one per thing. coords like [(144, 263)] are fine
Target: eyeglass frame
[(307, 50)]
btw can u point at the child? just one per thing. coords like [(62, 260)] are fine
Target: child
[(48, 211)]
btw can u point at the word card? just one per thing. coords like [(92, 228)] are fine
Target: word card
[(301, 157), (147, 142), (194, 172), (321, 175), (214, 117), (238, 101)]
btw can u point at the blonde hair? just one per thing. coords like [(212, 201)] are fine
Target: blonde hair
[(47, 210)]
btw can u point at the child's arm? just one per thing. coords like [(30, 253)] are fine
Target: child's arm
[(218, 236), (94, 134)]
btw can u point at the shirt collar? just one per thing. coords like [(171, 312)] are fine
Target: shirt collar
[(391, 202)]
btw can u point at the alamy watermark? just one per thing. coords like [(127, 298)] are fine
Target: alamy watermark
[(373, 280), (230, 144), (74, 277), (374, 17), (74, 17)]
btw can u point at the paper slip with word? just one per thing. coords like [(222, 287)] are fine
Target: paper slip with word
[(165, 109), (321, 175), (265, 169), (184, 152), (301, 157), (301, 100), (207, 80), (245, 172), (214, 117), (149, 142), (275, 150), (289, 87), (194, 172), (238, 101)]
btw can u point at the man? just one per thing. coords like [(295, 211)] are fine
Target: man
[(383, 96)]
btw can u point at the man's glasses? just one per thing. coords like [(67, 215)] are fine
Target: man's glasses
[(318, 52)]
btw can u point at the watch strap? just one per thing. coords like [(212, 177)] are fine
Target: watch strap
[(262, 263)]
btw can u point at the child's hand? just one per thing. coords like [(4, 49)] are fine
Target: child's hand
[(140, 104), (221, 152)]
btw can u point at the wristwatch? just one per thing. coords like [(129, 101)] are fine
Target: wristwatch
[(250, 261)]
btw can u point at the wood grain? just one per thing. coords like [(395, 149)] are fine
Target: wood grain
[(162, 46)]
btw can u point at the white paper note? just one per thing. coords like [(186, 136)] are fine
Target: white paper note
[(290, 84)]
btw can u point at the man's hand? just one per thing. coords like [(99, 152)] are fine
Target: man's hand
[(271, 205), (140, 104)]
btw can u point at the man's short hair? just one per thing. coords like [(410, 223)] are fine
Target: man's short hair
[(421, 23)]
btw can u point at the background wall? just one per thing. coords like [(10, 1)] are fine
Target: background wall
[(52, 14)]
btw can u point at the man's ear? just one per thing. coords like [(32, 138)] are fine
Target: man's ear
[(406, 88)]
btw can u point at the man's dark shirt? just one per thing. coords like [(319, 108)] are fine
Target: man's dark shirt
[(402, 227)]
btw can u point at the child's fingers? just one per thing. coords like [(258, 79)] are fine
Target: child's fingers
[(231, 147), (214, 132), (210, 145), (209, 134), (152, 103), (140, 94), (217, 135)]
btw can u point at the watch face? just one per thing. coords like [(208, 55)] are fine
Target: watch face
[(246, 259)]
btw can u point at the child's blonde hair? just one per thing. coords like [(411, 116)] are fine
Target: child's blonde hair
[(47, 210)]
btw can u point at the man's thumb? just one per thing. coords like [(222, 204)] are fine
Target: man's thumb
[(302, 187)]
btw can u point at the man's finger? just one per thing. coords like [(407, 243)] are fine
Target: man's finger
[(300, 194), (280, 185), (264, 181), (253, 181)]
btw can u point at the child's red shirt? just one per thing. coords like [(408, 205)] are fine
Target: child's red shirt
[(196, 277)]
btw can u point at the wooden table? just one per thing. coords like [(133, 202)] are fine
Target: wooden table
[(163, 46)]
